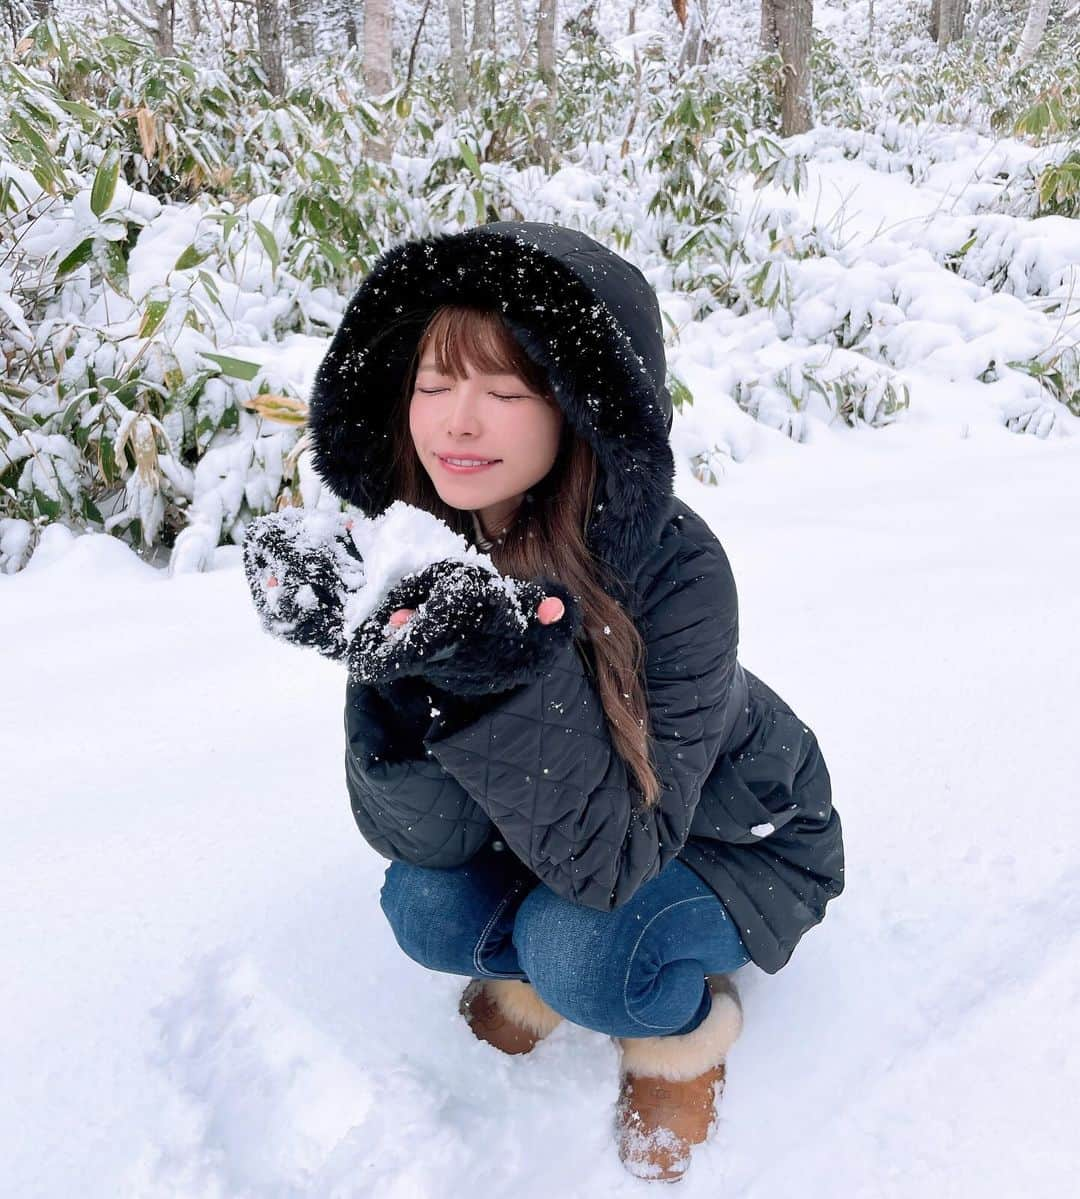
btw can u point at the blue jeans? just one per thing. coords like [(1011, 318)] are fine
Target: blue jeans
[(638, 971)]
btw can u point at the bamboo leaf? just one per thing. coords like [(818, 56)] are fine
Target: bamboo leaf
[(235, 368), (104, 188), (78, 257), (152, 317)]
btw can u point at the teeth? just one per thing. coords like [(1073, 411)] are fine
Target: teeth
[(469, 461)]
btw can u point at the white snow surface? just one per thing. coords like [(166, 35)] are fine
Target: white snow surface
[(202, 997)]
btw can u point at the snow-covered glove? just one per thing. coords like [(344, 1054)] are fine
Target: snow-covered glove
[(468, 631), (301, 567)]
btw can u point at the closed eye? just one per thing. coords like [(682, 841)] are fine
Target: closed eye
[(431, 391)]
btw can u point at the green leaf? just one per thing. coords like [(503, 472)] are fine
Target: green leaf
[(189, 258), (71, 411), (269, 245), (336, 257), (188, 392), (78, 257), (153, 315), (90, 511), (469, 159), (681, 395), (48, 508), (82, 111), (104, 188), (235, 368), (114, 266)]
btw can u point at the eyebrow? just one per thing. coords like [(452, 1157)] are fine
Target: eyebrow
[(430, 366)]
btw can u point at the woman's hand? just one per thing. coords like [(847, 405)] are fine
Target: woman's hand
[(549, 610), (300, 569), (468, 631)]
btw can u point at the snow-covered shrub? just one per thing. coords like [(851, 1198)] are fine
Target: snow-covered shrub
[(176, 243)]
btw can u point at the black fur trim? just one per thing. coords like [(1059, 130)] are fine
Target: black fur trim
[(557, 290)]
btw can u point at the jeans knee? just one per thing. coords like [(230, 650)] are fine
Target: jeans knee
[(455, 920), (420, 907), (566, 957)]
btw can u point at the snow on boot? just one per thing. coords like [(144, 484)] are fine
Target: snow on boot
[(507, 1013), (669, 1087)]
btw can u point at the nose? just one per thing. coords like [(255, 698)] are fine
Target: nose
[(463, 410)]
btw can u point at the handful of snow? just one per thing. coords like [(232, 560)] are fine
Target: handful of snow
[(401, 541)]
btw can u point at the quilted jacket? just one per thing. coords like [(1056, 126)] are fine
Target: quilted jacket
[(746, 800)]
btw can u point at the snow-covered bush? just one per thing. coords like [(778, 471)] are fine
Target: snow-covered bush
[(177, 243)]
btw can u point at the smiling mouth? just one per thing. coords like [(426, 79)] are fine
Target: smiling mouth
[(467, 464)]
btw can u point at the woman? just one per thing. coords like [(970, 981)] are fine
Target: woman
[(590, 807)]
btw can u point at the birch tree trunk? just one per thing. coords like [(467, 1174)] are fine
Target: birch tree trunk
[(794, 25), (770, 36), (519, 28), (695, 47), (195, 18), (302, 18), (161, 27), (1034, 28), (271, 50), (455, 17), (483, 37), (950, 21), (378, 65), (545, 63)]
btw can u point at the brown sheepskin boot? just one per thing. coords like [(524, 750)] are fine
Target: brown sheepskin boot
[(669, 1087), (507, 1013)]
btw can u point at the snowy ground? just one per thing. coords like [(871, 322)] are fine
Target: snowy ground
[(201, 995)]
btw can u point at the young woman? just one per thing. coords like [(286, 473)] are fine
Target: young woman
[(592, 810)]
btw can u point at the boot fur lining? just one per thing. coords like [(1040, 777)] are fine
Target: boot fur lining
[(519, 1002), (681, 1058)]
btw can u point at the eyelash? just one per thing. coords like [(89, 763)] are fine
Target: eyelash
[(435, 391)]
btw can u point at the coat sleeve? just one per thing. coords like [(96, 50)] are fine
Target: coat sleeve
[(405, 805), (542, 764)]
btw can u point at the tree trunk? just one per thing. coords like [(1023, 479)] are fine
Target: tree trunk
[(483, 33), (694, 48), (378, 47), (950, 24), (770, 35), (302, 19), (794, 25), (378, 65), (195, 19), (520, 31), (455, 17), (161, 30), (1034, 28), (545, 63), (271, 55)]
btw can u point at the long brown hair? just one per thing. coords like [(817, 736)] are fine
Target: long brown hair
[(547, 534)]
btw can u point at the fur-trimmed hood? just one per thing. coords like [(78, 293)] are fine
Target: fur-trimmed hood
[(578, 309)]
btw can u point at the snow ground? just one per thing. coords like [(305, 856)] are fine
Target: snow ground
[(203, 999)]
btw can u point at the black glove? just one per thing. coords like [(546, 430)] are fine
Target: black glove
[(301, 567), (472, 632)]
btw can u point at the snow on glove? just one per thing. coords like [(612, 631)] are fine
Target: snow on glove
[(472, 632), (300, 567)]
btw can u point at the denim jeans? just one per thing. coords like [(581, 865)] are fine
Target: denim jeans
[(637, 971)]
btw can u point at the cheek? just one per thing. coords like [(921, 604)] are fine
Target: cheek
[(417, 423), (555, 421)]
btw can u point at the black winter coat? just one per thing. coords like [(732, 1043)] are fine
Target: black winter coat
[(746, 800)]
